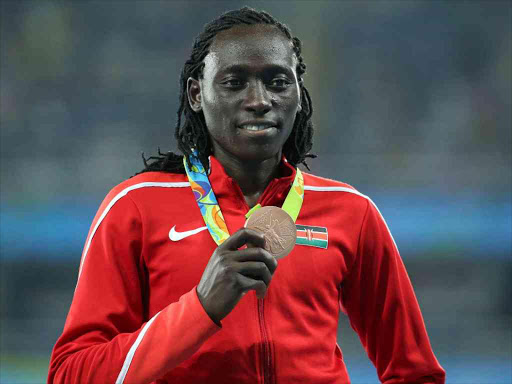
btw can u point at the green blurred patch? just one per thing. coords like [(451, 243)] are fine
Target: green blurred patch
[(23, 368)]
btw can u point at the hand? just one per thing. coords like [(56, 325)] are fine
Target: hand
[(232, 272)]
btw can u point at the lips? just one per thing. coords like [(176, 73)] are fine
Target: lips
[(257, 125)]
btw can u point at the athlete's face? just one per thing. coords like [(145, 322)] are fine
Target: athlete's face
[(249, 93)]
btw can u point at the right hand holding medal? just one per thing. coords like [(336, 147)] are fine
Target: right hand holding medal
[(231, 272)]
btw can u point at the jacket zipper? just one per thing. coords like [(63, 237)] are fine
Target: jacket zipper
[(267, 358)]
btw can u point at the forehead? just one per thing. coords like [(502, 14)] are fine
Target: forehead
[(252, 46)]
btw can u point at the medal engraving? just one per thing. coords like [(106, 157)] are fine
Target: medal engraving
[(278, 228)]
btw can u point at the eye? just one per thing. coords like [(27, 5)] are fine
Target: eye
[(280, 83), (232, 83)]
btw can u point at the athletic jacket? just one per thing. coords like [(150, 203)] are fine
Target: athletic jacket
[(136, 317)]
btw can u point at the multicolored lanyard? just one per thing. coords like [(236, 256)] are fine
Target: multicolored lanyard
[(209, 207)]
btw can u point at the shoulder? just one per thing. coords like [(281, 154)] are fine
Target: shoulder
[(145, 183), (322, 185), (344, 196), (331, 193), (139, 188), (149, 180)]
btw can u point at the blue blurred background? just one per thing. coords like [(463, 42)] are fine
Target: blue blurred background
[(412, 106)]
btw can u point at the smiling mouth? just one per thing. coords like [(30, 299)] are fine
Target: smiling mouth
[(256, 127)]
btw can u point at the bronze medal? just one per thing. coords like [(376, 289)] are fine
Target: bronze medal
[(278, 228)]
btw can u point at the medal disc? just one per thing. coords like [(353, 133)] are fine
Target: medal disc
[(278, 228)]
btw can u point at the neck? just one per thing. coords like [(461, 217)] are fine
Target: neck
[(252, 176)]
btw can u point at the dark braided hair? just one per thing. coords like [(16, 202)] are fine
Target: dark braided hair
[(194, 134)]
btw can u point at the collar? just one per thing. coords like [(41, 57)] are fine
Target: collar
[(225, 187)]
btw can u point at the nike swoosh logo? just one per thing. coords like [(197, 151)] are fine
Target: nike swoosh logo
[(177, 236)]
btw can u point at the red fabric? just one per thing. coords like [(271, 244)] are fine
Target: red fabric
[(133, 274)]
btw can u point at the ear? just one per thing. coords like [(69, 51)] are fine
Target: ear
[(194, 94)]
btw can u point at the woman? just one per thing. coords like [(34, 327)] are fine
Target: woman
[(173, 288)]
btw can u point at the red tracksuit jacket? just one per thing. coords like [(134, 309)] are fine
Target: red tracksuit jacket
[(136, 318)]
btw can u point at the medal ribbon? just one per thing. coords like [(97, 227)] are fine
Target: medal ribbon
[(209, 207)]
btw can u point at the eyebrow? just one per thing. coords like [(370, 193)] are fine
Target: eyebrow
[(240, 68)]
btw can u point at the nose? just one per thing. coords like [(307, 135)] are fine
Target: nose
[(257, 99)]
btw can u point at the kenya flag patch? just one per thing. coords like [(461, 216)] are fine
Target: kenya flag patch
[(312, 236)]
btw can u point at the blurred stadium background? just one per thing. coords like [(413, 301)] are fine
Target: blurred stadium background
[(412, 106)]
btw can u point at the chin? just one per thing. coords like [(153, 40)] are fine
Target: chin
[(258, 153)]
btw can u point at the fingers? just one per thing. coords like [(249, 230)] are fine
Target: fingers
[(248, 284), (231, 272), (255, 270), (242, 237), (255, 254)]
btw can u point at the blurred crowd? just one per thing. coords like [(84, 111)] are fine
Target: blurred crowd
[(405, 94)]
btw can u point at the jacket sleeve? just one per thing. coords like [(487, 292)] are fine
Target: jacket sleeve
[(108, 337), (378, 297)]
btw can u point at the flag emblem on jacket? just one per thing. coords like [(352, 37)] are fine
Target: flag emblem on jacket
[(312, 236)]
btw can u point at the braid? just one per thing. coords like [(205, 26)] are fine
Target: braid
[(193, 132)]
